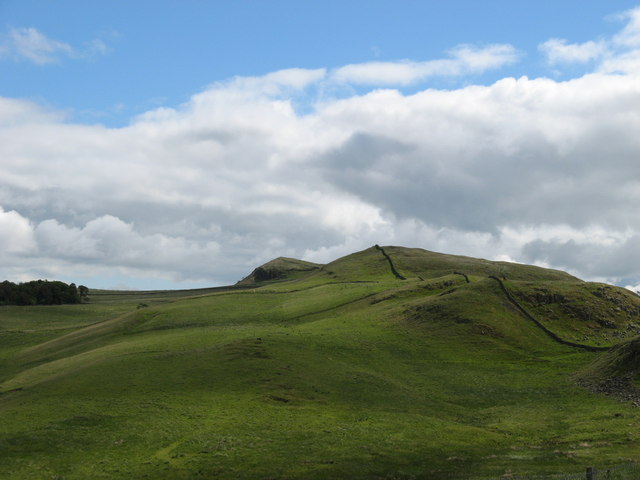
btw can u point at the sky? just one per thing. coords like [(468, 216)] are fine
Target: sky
[(180, 144)]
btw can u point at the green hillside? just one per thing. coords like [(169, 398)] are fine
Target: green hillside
[(466, 368)]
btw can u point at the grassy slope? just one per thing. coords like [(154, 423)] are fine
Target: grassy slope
[(345, 373)]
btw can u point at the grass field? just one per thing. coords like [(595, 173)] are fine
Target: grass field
[(345, 372)]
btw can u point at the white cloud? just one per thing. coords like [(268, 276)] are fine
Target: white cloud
[(273, 84), (15, 112), (622, 63), (16, 234), (619, 53), (383, 73), (28, 43), (629, 36), (474, 59), (108, 240), (464, 59), (559, 51)]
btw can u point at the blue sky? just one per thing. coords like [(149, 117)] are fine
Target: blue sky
[(181, 144), (161, 52)]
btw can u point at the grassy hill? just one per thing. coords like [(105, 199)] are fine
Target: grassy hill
[(337, 371), (279, 269)]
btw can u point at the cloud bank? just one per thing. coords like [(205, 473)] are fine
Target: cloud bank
[(529, 170)]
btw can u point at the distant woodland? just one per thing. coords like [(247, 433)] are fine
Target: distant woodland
[(41, 292)]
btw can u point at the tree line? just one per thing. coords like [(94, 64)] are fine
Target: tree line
[(41, 292)]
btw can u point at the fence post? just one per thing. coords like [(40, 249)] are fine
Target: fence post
[(591, 473)]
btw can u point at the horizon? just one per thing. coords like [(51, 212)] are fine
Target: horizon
[(248, 274), (168, 145)]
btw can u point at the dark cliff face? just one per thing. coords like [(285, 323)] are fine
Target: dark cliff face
[(262, 274)]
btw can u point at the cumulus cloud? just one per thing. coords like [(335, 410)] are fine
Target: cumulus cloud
[(530, 170), (28, 43), (107, 240), (464, 59), (16, 234), (452, 158)]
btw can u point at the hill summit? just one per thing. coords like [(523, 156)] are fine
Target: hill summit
[(279, 269)]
